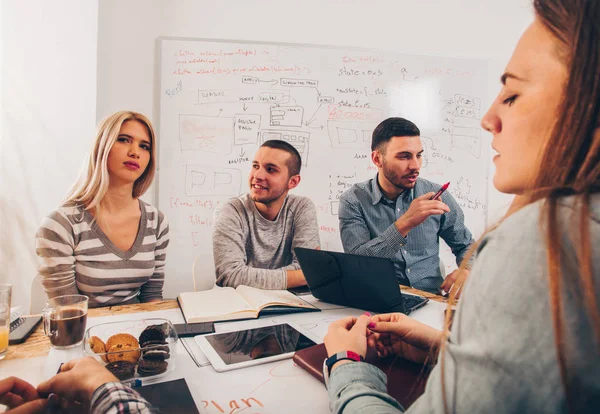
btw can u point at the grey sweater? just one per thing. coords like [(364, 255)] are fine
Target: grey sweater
[(77, 257), (251, 250), (501, 356)]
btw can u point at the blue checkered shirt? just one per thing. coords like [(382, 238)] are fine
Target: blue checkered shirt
[(367, 228)]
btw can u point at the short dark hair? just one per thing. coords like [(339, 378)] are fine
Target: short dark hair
[(393, 127), (295, 160)]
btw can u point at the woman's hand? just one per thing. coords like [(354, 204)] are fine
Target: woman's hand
[(400, 335), (348, 334)]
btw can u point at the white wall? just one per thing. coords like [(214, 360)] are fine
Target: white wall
[(483, 29), (48, 120)]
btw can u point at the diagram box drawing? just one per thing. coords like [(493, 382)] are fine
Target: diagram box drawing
[(250, 79), (325, 99), (203, 180), (467, 101), (298, 139), (350, 134), (287, 116), (467, 131), (466, 112), (206, 133), (470, 144), (308, 83), (335, 207), (246, 129)]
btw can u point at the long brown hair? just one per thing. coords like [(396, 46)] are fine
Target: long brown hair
[(570, 165)]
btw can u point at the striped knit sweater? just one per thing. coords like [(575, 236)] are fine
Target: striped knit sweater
[(77, 257)]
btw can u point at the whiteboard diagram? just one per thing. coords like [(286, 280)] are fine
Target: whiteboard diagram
[(220, 100)]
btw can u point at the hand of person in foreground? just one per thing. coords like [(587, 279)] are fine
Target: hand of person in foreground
[(21, 397), (402, 336), (348, 334), (77, 381)]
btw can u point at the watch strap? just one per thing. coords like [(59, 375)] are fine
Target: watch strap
[(340, 356)]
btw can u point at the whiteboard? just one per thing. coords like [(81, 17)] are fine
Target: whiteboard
[(219, 100)]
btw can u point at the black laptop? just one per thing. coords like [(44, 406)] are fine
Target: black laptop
[(355, 281)]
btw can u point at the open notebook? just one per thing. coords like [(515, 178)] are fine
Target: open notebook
[(243, 302)]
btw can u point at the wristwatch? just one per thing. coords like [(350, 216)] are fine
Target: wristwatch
[(340, 356)]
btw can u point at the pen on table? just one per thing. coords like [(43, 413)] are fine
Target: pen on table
[(439, 193)]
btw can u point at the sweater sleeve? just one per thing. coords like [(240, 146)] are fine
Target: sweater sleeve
[(54, 243), (306, 230)]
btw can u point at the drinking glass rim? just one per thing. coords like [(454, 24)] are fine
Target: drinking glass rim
[(69, 296)]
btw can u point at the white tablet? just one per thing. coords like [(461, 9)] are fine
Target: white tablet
[(240, 349)]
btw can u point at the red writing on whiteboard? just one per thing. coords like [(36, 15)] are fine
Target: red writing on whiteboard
[(197, 220), (323, 207), (327, 229), (341, 113), (215, 70)]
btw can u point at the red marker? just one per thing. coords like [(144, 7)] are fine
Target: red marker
[(439, 193)]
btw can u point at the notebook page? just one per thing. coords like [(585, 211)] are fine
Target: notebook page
[(259, 298), (213, 303)]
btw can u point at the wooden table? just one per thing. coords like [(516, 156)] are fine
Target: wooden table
[(430, 296), (38, 343)]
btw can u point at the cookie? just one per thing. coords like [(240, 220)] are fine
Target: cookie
[(162, 346), (122, 339), (152, 333), (147, 367), (121, 369), (160, 354), (98, 346), (125, 352), (152, 344)]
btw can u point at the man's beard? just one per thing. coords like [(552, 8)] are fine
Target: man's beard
[(393, 177), (267, 199)]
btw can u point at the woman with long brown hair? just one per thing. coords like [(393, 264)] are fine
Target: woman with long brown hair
[(526, 336)]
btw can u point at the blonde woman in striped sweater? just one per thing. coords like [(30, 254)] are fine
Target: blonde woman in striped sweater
[(103, 241)]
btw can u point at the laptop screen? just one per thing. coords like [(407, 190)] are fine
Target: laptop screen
[(361, 282)]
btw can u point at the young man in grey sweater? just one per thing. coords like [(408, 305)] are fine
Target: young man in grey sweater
[(255, 234)]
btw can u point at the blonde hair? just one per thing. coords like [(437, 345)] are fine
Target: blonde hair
[(92, 184)]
